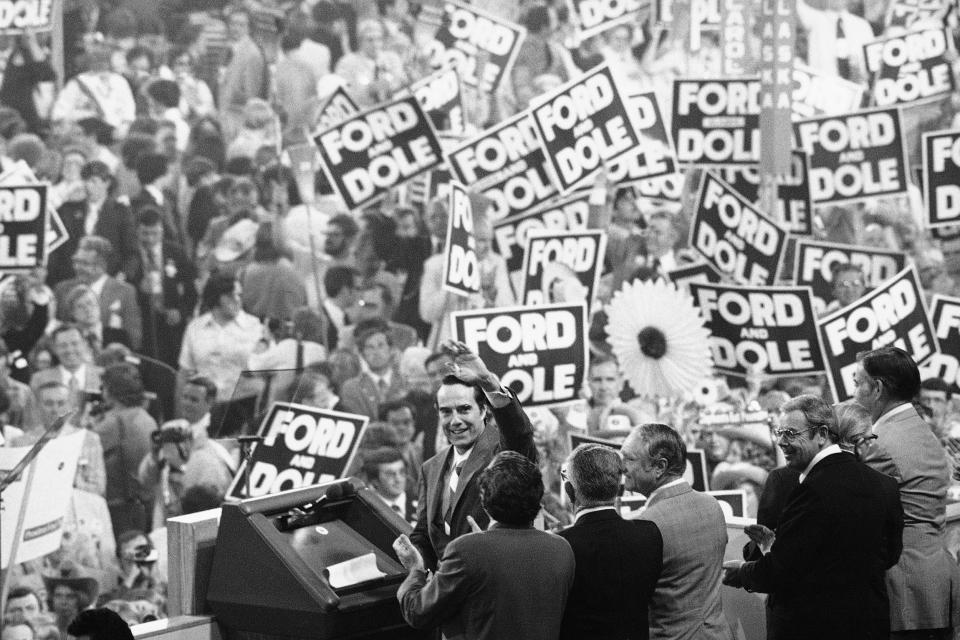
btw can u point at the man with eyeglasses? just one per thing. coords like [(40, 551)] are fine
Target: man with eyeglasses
[(840, 531), (848, 284), (924, 586)]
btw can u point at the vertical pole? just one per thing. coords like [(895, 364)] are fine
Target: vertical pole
[(56, 44)]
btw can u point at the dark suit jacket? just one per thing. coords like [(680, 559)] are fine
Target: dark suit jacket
[(776, 492), (512, 433), (359, 394), (618, 565), (171, 221), (118, 307), (179, 292), (114, 222), (503, 583), (840, 532)]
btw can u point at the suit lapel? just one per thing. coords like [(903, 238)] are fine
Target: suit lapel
[(478, 457)]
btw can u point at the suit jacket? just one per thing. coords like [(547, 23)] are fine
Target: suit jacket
[(118, 307), (243, 78), (512, 433), (776, 492), (114, 222), (839, 533), (507, 582), (686, 604), (172, 231), (618, 564), (178, 278), (360, 395), (924, 586)]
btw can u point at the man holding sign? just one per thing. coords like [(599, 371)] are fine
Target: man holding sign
[(480, 417)]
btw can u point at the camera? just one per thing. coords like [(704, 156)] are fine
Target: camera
[(171, 435), (145, 554)]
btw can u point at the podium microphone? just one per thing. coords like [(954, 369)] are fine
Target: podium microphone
[(298, 516)]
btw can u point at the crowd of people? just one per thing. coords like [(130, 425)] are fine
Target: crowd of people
[(200, 267)]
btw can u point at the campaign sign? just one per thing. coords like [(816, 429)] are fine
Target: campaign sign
[(596, 16), (506, 164), (814, 262), (738, 240), (735, 22), (372, 152), (461, 266), (482, 47), (562, 266), (910, 67), (945, 364), (716, 122), (704, 18), (582, 125), (301, 446), (941, 177), (439, 96), (23, 222), (697, 272), (770, 329), (816, 93), (19, 16), (566, 214), (854, 156), (540, 352), (337, 108), (904, 13), (655, 156), (661, 189), (893, 314), (793, 207)]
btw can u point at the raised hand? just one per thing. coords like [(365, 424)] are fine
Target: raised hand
[(467, 366), (408, 554)]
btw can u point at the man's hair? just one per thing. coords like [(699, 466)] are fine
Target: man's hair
[(127, 535), (347, 225), (63, 328), (218, 284), (140, 51), (373, 459), (149, 216), (22, 591), (601, 358), (386, 408), (166, 92), (200, 497), (936, 384), (123, 382), (336, 279), (662, 441), (99, 245), (209, 387), (895, 369), (150, 166), (100, 624), (840, 267), (816, 411), (51, 384), (98, 169), (364, 334), (478, 395), (594, 470), (511, 488), (385, 293)]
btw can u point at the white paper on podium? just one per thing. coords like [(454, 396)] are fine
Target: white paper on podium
[(355, 571), (49, 498)]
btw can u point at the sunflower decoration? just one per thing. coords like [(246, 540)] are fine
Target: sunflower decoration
[(657, 335)]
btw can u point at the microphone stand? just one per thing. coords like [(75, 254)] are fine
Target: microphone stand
[(246, 450)]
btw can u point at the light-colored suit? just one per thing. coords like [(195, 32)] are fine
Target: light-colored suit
[(90, 383), (924, 586), (686, 603), (118, 307)]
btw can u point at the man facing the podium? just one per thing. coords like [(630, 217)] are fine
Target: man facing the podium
[(480, 418)]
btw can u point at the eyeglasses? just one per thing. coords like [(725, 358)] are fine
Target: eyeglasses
[(790, 435), (846, 284)]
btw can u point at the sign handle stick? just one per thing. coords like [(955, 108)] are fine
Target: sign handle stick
[(316, 276), (17, 535)]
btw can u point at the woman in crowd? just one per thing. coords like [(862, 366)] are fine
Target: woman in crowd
[(82, 307)]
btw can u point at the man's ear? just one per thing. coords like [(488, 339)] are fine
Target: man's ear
[(570, 491)]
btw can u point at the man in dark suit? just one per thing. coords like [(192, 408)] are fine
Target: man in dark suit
[(386, 471), (156, 178), (480, 418), (164, 278), (96, 215), (618, 561), (340, 284), (118, 300), (840, 531), (511, 581)]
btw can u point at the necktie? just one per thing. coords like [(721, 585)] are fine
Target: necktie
[(73, 384), (451, 490), (382, 389), (843, 51)]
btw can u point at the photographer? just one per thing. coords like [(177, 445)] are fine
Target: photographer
[(138, 560), (183, 456)]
